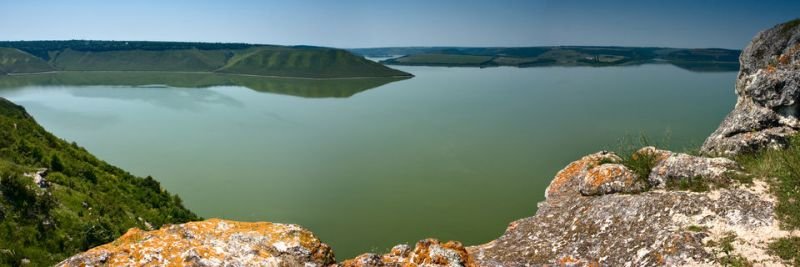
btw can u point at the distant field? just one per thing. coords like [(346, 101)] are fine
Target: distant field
[(443, 59), (263, 60), (691, 59)]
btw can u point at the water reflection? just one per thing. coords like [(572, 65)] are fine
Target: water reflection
[(310, 88)]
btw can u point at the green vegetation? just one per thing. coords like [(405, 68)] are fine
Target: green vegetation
[(725, 246), (312, 88), (697, 228), (691, 59), (787, 249), (444, 60), (13, 60), (262, 60), (781, 168), (83, 202), (694, 184)]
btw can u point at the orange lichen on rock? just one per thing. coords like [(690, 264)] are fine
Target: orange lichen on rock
[(428, 252), (567, 180), (611, 178), (211, 243)]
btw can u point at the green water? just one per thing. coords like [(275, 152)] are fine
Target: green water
[(453, 153)]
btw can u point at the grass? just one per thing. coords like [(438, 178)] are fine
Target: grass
[(16, 61), (781, 169), (87, 203), (693, 184), (787, 249), (640, 163), (696, 228), (725, 246)]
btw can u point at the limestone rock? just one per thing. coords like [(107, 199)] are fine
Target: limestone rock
[(679, 166), (428, 252), (569, 179), (646, 229), (768, 90), (611, 178), (213, 242)]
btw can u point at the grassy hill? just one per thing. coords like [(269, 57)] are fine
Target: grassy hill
[(284, 61), (82, 201), (13, 61), (691, 59), (305, 62)]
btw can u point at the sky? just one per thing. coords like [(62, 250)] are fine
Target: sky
[(375, 23)]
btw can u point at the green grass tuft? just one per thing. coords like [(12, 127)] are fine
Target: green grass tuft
[(787, 249), (781, 169)]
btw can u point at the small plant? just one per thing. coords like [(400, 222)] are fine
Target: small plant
[(725, 247), (696, 228), (787, 248)]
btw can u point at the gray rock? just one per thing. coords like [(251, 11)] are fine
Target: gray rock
[(647, 229), (768, 90), (680, 166)]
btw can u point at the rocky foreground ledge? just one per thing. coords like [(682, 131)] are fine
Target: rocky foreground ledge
[(598, 212)]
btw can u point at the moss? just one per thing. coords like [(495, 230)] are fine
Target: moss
[(787, 248)]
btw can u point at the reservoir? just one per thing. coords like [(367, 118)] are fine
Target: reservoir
[(453, 153)]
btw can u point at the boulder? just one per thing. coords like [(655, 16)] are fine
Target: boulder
[(610, 179), (679, 166), (647, 229), (212, 242), (768, 90), (568, 180), (428, 252)]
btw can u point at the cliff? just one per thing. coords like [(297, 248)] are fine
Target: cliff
[(648, 207), (768, 87)]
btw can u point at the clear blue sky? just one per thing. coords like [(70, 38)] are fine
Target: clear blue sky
[(353, 23)]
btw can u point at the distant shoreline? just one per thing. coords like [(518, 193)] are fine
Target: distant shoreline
[(204, 72)]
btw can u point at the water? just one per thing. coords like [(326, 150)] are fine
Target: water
[(453, 153)]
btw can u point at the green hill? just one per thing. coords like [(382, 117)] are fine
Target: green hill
[(14, 61), (264, 60), (80, 203), (305, 62)]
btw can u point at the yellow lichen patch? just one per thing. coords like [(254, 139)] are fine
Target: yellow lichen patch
[(428, 252), (208, 242), (567, 179), (770, 69)]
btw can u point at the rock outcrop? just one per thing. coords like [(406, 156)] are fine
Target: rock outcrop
[(768, 90), (428, 252), (212, 242)]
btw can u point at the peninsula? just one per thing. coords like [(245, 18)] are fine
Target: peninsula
[(26, 57)]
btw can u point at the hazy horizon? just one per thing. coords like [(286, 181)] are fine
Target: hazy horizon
[(364, 24)]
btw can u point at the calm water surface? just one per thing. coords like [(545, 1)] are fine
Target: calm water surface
[(454, 153)]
